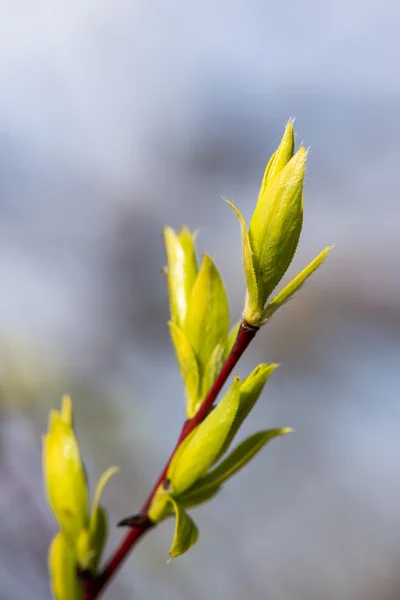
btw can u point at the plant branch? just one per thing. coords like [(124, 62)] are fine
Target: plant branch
[(140, 523)]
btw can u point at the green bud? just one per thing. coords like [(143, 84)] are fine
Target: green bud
[(181, 270), (67, 493), (276, 224), (64, 475), (271, 240), (62, 567)]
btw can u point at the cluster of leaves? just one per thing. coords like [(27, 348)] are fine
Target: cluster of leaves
[(199, 328), (203, 341)]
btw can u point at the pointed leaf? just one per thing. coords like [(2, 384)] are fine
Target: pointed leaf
[(207, 318), (283, 154), (66, 410), (267, 172), (202, 449), (181, 270), (99, 535), (252, 303), (295, 284), (188, 367), (197, 495), (62, 567), (104, 479), (186, 533), (250, 391), (238, 458)]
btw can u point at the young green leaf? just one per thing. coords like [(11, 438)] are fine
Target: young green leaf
[(250, 391), (207, 318), (181, 270), (104, 479), (197, 495), (292, 287), (92, 541), (98, 535), (62, 567), (238, 458), (199, 453), (178, 456), (186, 533), (188, 367)]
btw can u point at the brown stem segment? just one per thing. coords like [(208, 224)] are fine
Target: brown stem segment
[(141, 523)]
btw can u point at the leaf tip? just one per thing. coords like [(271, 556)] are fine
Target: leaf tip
[(286, 430)]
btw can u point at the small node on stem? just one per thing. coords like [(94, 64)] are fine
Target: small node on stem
[(166, 485), (135, 521)]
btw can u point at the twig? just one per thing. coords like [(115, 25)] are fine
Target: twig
[(140, 523)]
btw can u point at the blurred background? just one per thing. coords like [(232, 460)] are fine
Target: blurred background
[(119, 117)]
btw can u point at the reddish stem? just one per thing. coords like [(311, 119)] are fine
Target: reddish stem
[(94, 587)]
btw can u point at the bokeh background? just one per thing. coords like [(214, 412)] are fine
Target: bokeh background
[(119, 117)]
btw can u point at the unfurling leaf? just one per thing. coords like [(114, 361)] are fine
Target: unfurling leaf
[(199, 453), (181, 270), (186, 533), (62, 566), (207, 318)]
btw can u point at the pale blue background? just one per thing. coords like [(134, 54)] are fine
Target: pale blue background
[(119, 117)]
